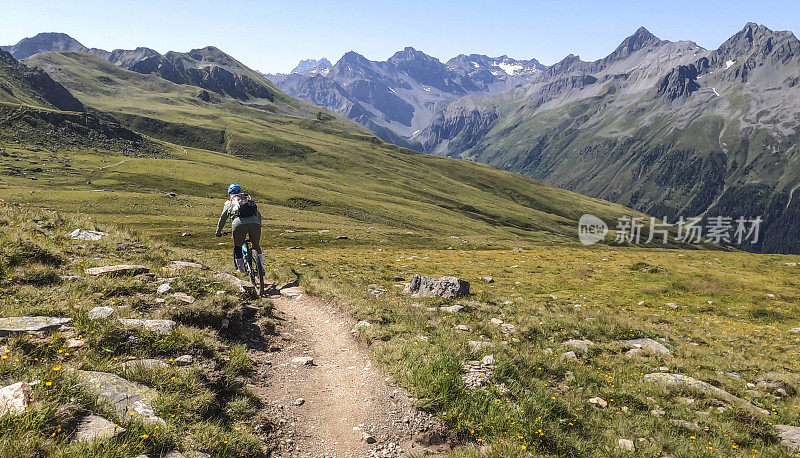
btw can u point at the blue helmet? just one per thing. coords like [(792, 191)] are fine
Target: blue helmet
[(234, 189)]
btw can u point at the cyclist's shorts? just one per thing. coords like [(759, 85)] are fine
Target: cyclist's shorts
[(241, 232)]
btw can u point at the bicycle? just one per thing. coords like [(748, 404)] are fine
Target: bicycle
[(254, 269)]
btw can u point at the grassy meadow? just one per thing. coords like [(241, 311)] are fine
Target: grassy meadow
[(724, 315)]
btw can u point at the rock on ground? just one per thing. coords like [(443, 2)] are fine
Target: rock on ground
[(790, 436), (159, 326), (184, 360), (678, 380), (95, 427), (100, 312), (30, 324), (580, 346), (646, 344), (80, 234), (127, 397), (14, 398), (175, 266), (437, 287), (626, 444), (121, 269), (303, 361), (163, 288), (183, 297)]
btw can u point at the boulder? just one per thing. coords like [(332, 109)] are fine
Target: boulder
[(790, 436), (164, 288), (80, 234), (30, 324), (175, 266), (626, 445), (14, 398), (159, 326), (184, 360), (668, 380), (129, 399), (183, 297), (244, 288), (121, 269), (646, 344), (94, 427), (452, 309), (421, 286), (303, 361), (578, 345), (100, 312)]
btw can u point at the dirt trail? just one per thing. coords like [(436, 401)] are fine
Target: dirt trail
[(345, 397)]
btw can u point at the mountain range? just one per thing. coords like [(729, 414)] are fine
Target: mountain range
[(668, 128)]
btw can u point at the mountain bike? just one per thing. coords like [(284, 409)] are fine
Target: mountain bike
[(254, 269)]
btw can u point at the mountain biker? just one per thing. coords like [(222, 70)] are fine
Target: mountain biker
[(245, 221)]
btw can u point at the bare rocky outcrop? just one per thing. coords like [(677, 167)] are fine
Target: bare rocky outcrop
[(437, 287)]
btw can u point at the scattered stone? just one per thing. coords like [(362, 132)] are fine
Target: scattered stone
[(580, 346), (184, 360), (70, 278), (775, 387), (421, 286), (496, 321), (462, 327), (163, 288), (678, 380), (626, 444), (690, 425), (367, 437), (15, 398), (175, 266), (183, 297), (159, 326), (30, 324), (658, 412), (74, 342), (121, 269), (130, 399), (292, 292), (144, 364), (299, 401), (598, 401), (171, 194), (672, 305), (80, 234), (487, 279), (196, 454), (477, 345), (100, 312), (569, 355), (362, 325), (795, 330), (507, 328), (303, 361), (94, 428), (244, 288), (342, 237), (647, 344), (452, 309), (477, 373), (790, 436)]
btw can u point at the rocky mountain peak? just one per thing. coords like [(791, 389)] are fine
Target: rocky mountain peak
[(312, 66), (642, 38), (44, 42)]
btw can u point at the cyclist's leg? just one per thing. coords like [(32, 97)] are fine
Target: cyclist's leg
[(255, 239), (239, 234)]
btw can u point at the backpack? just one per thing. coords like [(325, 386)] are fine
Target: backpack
[(242, 206)]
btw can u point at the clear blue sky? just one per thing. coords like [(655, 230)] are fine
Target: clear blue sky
[(272, 36)]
